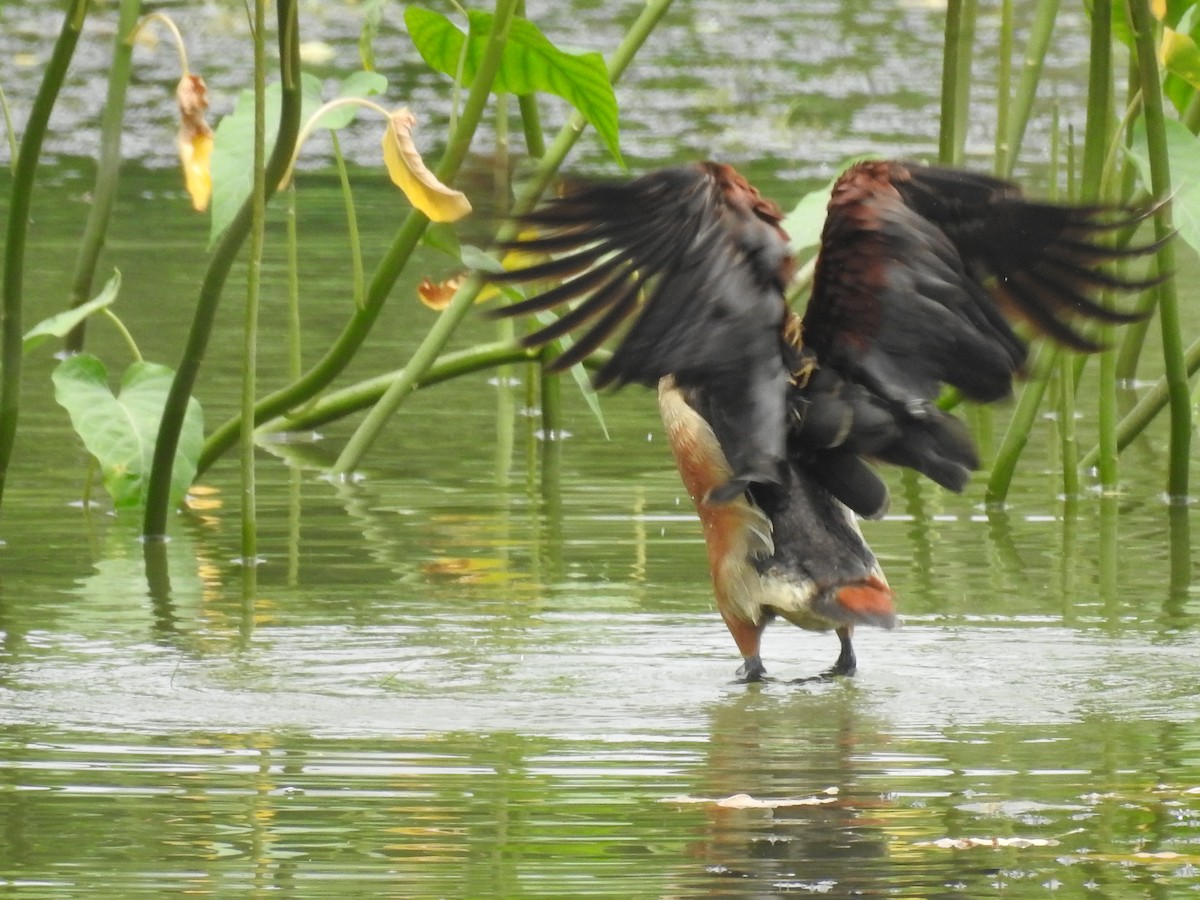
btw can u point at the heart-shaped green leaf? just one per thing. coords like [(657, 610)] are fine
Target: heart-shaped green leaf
[(531, 63), (120, 430)]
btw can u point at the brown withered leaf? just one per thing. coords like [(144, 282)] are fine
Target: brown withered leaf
[(408, 172), (195, 139), (436, 295)]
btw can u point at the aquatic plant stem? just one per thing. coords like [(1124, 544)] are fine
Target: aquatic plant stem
[(356, 259), (108, 167), (1040, 33), (956, 79), (1174, 361), (339, 354), (1003, 162), (229, 244), (1093, 187), (365, 394), (1032, 394), (437, 336), (258, 217), (1146, 410), (11, 334)]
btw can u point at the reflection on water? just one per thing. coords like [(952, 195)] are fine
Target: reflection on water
[(448, 683)]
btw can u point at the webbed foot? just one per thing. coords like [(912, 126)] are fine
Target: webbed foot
[(751, 670)]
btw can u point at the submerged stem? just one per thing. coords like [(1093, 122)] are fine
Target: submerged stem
[(11, 336), (158, 488)]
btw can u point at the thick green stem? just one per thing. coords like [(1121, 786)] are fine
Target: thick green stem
[(1095, 156), (1019, 427), (1004, 162), (294, 345), (1146, 410), (1031, 73), (357, 397), (531, 119), (11, 344), (258, 218), (1174, 362), (230, 243), (956, 79), (338, 356), (108, 167), (427, 352), (1017, 434)]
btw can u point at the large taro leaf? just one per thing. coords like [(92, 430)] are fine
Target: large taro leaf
[(120, 430), (530, 63)]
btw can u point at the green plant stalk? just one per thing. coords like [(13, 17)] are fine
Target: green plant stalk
[(1133, 339), (1068, 443), (11, 334), (108, 167), (1019, 428), (8, 133), (550, 392), (1146, 410), (158, 487), (295, 345), (531, 123), (1017, 435), (965, 57), (340, 353), (1003, 164), (356, 259), (1031, 73), (531, 119), (1174, 362), (365, 394), (258, 218), (124, 332), (957, 28), (1096, 144), (368, 431), (506, 408)]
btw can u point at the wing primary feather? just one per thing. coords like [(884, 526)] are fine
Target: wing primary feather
[(602, 298), (594, 337)]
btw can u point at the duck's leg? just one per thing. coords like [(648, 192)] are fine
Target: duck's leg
[(846, 664), (747, 636)]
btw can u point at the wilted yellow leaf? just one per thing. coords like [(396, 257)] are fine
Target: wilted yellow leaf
[(436, 295), (408, 172), (195, 139)]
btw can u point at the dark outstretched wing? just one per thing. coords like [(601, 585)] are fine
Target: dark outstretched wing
[(699, 257), (918, 269)]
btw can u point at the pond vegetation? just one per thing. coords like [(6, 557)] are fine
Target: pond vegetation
[(448, 648)]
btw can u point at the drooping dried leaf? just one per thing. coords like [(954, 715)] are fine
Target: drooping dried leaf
[(194, 140), (436, 295), (408, 172)]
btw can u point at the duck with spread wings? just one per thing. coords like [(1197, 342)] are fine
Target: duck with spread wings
[(771, 418)]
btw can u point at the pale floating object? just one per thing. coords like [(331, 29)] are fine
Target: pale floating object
[(745, 801), (408, 172)]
